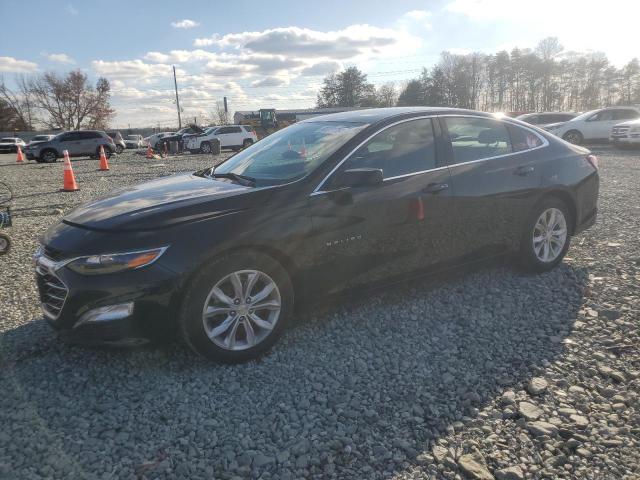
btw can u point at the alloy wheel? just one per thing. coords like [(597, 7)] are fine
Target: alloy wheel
[(549, 235), (206, 148), (241, 310)]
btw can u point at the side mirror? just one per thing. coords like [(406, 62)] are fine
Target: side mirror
[(360, 177)]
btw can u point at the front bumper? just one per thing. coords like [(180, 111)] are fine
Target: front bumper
[(75, 304), (631, 139)]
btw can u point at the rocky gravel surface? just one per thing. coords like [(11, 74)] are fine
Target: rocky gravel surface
[(491, 374)]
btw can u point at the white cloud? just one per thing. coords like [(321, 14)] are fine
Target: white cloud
[(71, 9), (131, 69), (186, 23), (351, 42), (418, 14), (59, 58), (321, 69), (10, 64), (459, 50), (269, 82)]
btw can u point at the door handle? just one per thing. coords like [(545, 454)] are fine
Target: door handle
[(435, 187), (524, 171)]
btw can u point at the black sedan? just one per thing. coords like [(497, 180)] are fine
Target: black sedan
[(328, 204)]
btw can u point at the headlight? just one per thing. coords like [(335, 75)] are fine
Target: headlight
[(115, 262), (635, 129)]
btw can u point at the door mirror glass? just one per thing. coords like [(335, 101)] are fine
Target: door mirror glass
[(360, 177)]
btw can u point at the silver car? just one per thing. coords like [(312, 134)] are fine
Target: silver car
[(82, 143)]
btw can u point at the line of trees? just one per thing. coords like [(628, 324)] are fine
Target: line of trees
[(546, 78), (52, 101)]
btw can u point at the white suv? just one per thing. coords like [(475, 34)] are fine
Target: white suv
[(230, 136), (593, 125), (626, 134)]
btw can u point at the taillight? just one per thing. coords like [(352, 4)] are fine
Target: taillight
[(593, 160)]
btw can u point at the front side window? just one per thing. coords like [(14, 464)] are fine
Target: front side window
[(603, 116), (290, 153), (474, 138), (402, 149)]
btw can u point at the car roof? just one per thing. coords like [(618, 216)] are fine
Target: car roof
[(373, 115)]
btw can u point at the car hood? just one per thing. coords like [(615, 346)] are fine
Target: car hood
[(555, 125), (164, 203)]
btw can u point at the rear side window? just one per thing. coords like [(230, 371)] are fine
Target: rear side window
[(402, 149), (248, 128), (477, 138), (88, 135), (522, 139)]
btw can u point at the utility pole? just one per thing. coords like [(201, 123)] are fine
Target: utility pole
[(175, 82)]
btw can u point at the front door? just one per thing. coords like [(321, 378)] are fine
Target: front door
[(365, 234)]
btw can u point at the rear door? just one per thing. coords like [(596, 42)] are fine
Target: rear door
[(600, 124), (88, 143), (364, 234), (494, 178), (70, 142)]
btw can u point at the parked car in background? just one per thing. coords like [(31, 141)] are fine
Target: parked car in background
[(81, 143), (153, 140), (40, 138), (593, 125), (331, 203), (230, 136), (134, 141), (546, 118), (118, 141), (11, 144), (626, 134), (178, 137)]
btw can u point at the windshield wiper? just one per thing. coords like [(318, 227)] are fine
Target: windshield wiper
[(241, 179)]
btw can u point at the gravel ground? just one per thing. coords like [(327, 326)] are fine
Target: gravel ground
[(491, 374)]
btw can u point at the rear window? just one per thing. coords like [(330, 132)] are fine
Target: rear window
[(248, 128)]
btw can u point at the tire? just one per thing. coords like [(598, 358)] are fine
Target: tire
[(48, 156), (205, 147), (200, 294), (573, 136), (247, 142), (532, 253), (119, 149), (5, 244)]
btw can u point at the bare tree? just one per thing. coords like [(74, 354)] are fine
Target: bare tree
[(17, 105), (387, 96), (70, 102), (219, 116)]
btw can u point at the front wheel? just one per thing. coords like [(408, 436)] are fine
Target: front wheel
[(573, 136), (205, 147), (5, 244), (48, 156), (119, 149), (237, 307), (546, 237)]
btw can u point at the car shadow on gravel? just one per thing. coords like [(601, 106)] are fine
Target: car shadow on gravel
[(359, 389)]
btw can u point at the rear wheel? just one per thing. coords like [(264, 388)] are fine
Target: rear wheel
[(546, 237), (237, 307), (119, 149), (48, 156), (247, 142), (573, 136)]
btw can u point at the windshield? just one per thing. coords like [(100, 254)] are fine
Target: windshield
[(291, 153), (210, 130)]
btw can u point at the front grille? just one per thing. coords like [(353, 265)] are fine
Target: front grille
[(53, 292), (620, 131)]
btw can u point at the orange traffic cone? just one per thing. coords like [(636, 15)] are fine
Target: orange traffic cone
[(19, 158), (70, 184), (149, 151), (104, 165)]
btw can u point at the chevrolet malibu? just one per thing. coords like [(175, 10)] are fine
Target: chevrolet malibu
[(329, 204)]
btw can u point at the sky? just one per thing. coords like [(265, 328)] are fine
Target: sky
[(274, 54)]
